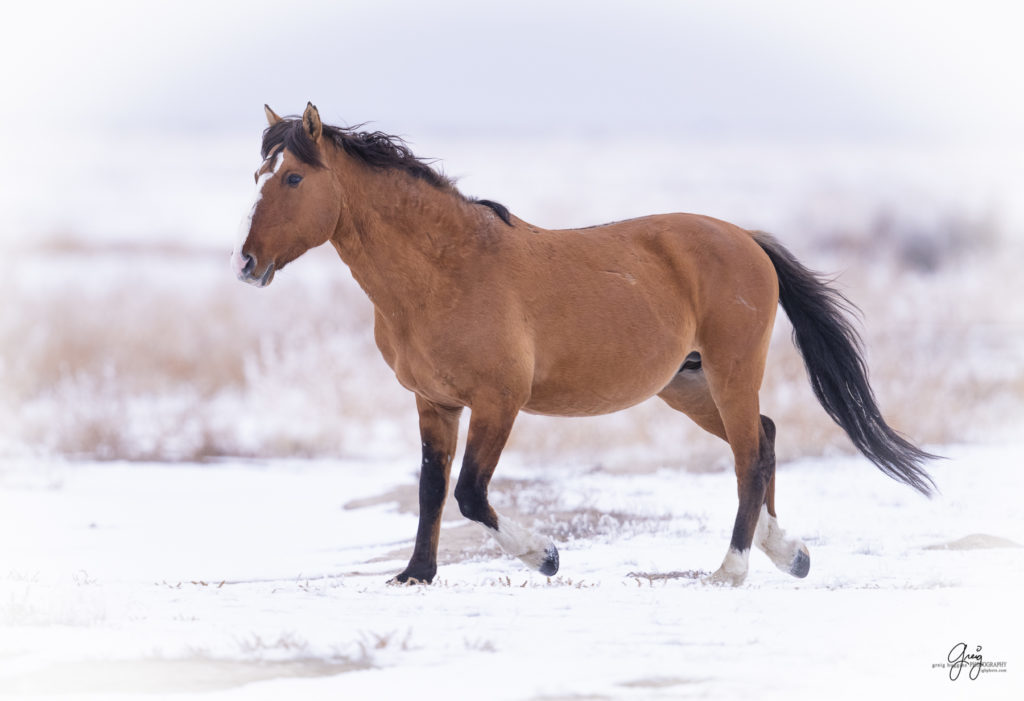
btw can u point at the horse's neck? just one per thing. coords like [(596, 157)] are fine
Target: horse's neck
[(403, 238)]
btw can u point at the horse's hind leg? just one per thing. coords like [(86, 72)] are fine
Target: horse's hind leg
[(689, 393), (789, 554), (735, 396), (489, 426)]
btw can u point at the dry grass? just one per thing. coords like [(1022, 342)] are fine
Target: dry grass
[(159, 355), (189, 365)]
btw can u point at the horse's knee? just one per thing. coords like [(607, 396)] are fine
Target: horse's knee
[(474, 506)]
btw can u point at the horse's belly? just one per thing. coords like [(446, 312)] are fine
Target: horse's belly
[(589, 394), (578, 406)]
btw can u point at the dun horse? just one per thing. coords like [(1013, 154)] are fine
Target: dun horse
[(477, 308)]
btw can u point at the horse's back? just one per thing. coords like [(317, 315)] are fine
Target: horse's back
[(683, 267), (614, 310)]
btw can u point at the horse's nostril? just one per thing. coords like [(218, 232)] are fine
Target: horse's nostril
[(250, 263)]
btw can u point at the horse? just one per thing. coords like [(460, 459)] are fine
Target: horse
[(475, 308)]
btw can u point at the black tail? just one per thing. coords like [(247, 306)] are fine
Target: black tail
[(833, 354)]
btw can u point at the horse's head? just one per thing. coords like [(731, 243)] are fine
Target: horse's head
[(297, 202)]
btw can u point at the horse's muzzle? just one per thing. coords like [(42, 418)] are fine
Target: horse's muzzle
[(245, 270)]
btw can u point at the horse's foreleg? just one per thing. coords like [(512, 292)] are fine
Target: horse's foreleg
[(439, 432), (489, 427)]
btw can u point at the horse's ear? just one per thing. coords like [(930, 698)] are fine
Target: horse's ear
[(272, 118), (311, 123)]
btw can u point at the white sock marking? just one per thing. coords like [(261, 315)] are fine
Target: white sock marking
[(733, 570), (529, 547), (736, 562), (773, 541)]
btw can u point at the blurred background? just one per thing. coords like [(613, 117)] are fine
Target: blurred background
[(881, 141)]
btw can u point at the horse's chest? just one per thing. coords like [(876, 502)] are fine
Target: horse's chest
[(417, 369)]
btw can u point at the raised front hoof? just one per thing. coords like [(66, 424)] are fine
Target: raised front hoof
[(408, 578), (549, 565), (544, 561), (801, 564)]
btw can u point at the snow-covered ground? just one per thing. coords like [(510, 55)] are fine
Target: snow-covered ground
[(124, 337), (267, 580)]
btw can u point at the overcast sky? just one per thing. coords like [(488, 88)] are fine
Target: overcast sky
[(126, 119), (747, 68)]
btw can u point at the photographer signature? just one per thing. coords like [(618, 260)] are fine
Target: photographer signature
[(959, 658)]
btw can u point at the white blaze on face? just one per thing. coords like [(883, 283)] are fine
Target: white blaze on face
[(246, 224)]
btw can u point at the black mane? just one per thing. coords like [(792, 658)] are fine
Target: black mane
[(375, 148)]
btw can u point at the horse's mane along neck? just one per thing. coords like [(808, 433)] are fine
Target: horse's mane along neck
[(376, 149)]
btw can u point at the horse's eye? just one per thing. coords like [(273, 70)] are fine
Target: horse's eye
[(293, 179)]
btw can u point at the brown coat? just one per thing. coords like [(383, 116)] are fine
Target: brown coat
[(477, 308)]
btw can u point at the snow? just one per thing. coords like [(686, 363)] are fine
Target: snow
[(240, 578), (266, 580)]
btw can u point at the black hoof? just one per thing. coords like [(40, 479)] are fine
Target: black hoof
[(801, 565), (550, 564), (411, 578)]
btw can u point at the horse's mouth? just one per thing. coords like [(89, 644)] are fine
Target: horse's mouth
[(259, 280)]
